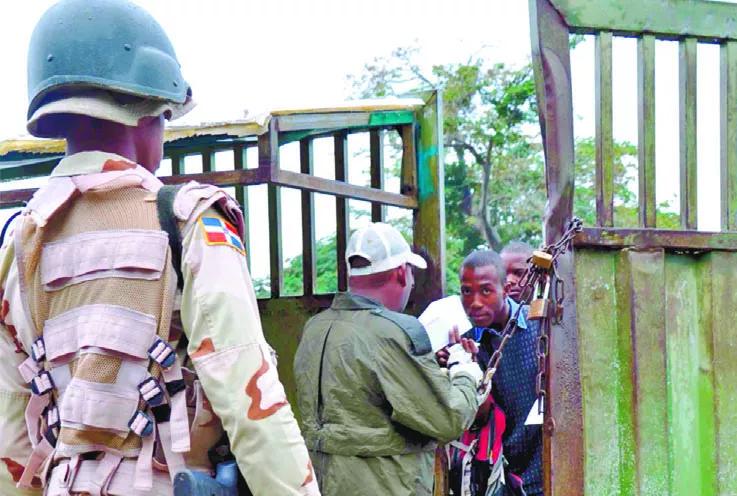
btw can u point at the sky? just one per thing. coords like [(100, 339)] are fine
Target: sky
[(251, 56)]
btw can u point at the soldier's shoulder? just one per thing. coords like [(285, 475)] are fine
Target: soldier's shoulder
[(408, 325)]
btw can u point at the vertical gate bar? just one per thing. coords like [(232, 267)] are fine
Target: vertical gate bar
[(377, 171), (208, 158), (409, 161), (687, 99), (728, 127), (604, 131), (240, 162), (646, 129), (268, 163), (275, 240), (308, 221), (341, 209), (268, 151), (563, 450), (177, 163)]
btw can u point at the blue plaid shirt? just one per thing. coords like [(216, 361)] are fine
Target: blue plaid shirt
[(514, 392)]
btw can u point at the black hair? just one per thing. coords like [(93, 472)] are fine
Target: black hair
[(486, 258)]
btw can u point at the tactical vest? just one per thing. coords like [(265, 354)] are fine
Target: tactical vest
[(98, 285)]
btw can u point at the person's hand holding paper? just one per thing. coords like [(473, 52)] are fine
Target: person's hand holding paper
[(444, 321)]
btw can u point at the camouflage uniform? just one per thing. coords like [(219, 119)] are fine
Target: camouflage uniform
[(219, 315)]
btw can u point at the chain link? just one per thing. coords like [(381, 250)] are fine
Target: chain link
[(533, 278)]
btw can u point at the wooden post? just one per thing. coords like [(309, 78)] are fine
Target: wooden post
[(687, 126), (240, 162), (377, 171), (341, 209), (308, 221), (604, 131), (268, 164), (646, 129), (563, 428), (429, 219)]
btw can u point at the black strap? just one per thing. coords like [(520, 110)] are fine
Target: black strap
[(169, 223), (162, 413), (6, 226), (175, 386)]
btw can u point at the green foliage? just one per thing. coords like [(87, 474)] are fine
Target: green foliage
[(494, 170), (625, 199)]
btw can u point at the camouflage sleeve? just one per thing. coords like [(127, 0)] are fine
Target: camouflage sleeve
[(14, 393), (422, 395), (233, 361)]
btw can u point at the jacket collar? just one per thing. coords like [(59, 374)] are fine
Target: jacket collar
[(89, 163), (350, 301)]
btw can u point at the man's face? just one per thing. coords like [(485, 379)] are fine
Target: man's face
[(516, 265), (483, 295)]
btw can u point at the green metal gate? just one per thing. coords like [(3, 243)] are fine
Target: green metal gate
[(643, 367)]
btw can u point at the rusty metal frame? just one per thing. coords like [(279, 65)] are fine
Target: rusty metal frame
[(689, 22)]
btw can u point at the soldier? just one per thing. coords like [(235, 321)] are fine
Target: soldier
[(93, 397), (373, 399)]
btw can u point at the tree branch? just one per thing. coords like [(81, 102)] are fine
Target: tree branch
[(476, 155), (489, 232)]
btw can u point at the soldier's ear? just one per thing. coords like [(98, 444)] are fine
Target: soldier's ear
[(401, 274), (507, 287)]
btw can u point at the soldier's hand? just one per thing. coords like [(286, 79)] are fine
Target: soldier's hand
[(454, 337), (442, 356)]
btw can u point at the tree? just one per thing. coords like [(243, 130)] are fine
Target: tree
[(494, 170), (488, 122)]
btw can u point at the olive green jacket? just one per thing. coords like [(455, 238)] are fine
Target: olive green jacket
[(374, 401)]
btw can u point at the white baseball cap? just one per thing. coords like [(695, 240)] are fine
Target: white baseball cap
[(383, 246)]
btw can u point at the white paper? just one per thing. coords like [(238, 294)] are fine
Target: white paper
[(440, 317), (535, 417)]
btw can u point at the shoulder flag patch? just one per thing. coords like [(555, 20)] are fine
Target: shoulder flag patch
[(218, 231)]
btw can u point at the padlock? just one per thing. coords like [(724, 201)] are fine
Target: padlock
[(540, 307), (542, 259)]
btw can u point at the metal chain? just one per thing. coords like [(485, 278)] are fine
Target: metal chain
[(533, 278)]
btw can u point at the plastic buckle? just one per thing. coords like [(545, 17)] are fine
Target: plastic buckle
[(151, 391), (162, 353), (141, 424), (38, 349), (42, 383), (52, 417)]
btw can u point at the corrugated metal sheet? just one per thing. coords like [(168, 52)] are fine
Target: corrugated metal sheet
[(658, 363)]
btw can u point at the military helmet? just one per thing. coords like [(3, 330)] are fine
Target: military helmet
[(111, 45)]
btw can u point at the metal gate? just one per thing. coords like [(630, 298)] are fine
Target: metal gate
[(643, 368)]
